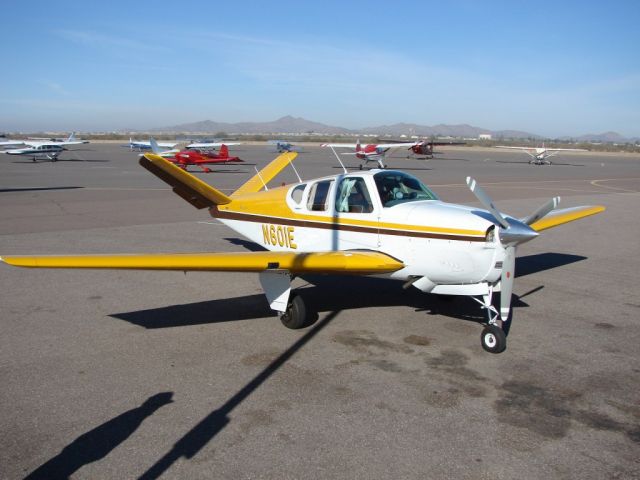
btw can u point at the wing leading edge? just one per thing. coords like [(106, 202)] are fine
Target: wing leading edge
[(565, 215), (334, 262)]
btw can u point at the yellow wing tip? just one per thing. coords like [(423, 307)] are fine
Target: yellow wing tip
[(567, 216)]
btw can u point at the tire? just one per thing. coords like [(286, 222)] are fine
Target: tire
[(296, 315), (493, 339)]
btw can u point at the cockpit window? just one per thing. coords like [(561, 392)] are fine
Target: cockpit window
[(399, 187)]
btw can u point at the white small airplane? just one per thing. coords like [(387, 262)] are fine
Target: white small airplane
[(382, 222), (539, 155), (211, 145), (142, 145), (49, 150), (369, 153)]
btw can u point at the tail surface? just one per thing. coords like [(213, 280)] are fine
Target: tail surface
[(190, 188), (264, 176)]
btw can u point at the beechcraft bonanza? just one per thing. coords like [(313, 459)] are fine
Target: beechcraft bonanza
[(369, 153), (540, 155), (361, 223), (36, 149)]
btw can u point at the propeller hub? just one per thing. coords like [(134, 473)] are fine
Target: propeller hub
[(517, 233)]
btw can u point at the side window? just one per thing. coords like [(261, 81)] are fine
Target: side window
[(353, 196), (318, 196), (296, 193)]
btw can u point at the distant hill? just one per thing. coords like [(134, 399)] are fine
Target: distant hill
[(606, 137), (287, 124), (297, 125)]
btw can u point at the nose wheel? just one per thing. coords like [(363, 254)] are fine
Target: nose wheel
[(493, 339)]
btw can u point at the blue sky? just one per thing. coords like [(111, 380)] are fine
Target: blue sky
[(550, 68)]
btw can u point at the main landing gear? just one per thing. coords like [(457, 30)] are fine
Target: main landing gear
[(296, 315)]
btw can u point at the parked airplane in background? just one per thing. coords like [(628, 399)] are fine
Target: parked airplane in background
[(360, 223), (184, 158), (142, 145), (211, 145), (282, 146), (539, 155), (34, 142), (425, 147), (371, 152), (36, 149)]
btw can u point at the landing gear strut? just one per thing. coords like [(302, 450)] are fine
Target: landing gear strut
[(493, 339)]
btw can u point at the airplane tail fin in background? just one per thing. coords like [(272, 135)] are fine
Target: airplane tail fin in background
[(154, 146), (72, 137), (190, 188), (358, 146), (264, 176), (224, 151)]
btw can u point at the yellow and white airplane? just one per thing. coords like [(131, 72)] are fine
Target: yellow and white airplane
[(362, 223)]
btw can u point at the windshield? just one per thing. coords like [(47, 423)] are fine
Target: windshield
[(399, 187)]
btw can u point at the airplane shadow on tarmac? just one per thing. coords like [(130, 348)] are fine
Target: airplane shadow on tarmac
[(100, 441), (324, 293)]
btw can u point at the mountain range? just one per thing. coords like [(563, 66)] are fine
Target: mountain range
[(297, 125)]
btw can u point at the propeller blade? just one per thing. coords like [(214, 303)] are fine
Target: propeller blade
[(485, 200), (542, 211), (506, 282)]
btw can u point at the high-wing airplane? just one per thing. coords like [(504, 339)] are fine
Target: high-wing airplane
[(371, 152), (184, 158), (142, 145), (375, 222), (425, 147), (539, 155), (49, 150)]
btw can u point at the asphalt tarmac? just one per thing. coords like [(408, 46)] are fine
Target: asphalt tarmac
[(126, 374)]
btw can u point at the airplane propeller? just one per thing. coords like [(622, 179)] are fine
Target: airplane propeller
[(512, 233)]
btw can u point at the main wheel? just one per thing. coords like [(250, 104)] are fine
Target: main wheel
[(493, 339), (296, 314)]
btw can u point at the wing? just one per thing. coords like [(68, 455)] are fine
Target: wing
[(212, 144), (516, 148), (395, 145), (567, 150), (11, 143), (339, 145), (337, 262), (565, 215)]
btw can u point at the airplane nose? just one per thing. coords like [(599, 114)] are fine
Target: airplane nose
[(517, 233)]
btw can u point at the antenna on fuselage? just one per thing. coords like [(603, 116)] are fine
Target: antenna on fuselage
[(260, 176), (339, 161)]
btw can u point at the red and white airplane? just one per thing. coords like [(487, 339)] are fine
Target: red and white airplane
[(371, 152), (539, 155), (184, 158)]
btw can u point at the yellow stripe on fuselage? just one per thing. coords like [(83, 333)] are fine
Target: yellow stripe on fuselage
[(272, 206)]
